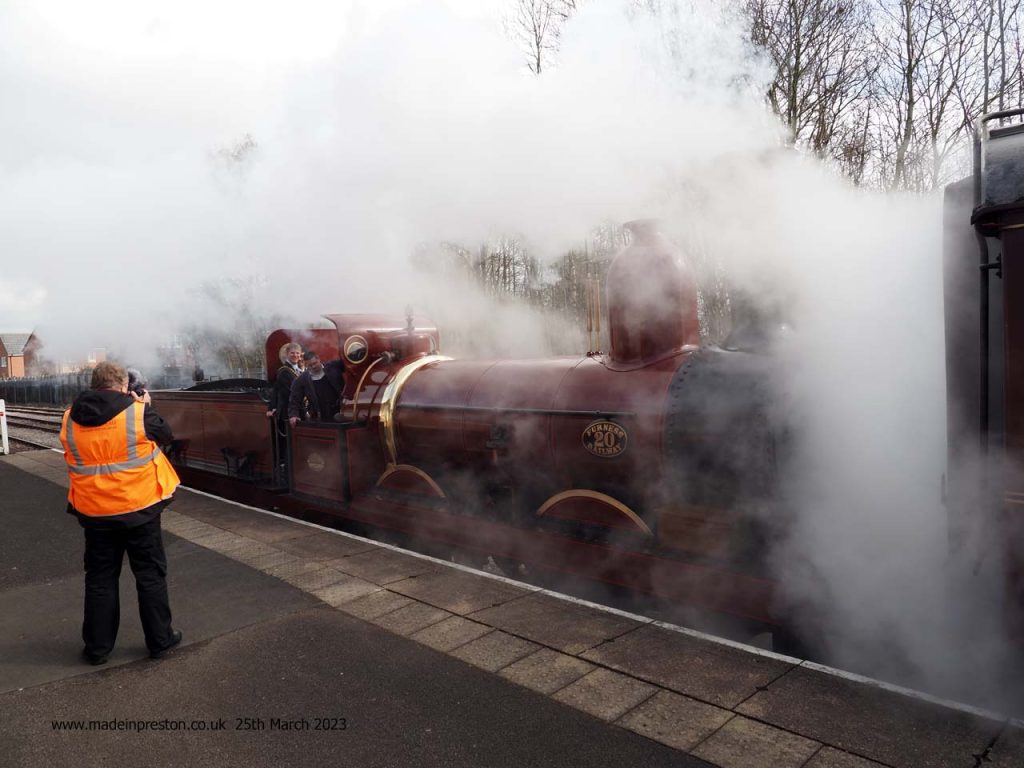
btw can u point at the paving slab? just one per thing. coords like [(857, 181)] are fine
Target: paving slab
[(251, 551), (375, 604), (323, 546), (457, 591), (675, 720), (559, 624), (184, 525), (212, 511), (546, 671), (268, 529), (411, 618), (827, 757), (712, 672), (1008, 751), (346, 590), (313, 577), (605, 694), (744, 743), (259, 557), (383, 566), (226, 545), (495, 650), (451, 633), (218, 540), (870, 721)]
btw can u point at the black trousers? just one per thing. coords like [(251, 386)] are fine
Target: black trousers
[(104, 553)]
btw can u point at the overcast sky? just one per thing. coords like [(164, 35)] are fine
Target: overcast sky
[(378, 125), (114, 203)]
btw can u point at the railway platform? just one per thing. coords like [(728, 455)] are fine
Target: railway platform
[(304, 646)]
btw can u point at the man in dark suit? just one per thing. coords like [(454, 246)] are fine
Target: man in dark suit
[(321, 386)]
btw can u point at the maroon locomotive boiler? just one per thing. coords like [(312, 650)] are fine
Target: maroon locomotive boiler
[(650, 467)]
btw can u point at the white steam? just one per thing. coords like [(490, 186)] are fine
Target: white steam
[(383, 126)]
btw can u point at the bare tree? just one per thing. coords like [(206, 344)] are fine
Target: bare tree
[(947, 71), (537, 25), (906, 31), (940, 69), (888, 89), (233, 344), (822, 66), (999, 25)]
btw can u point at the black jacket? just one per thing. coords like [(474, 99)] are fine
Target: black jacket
[(286, 375), (303, 387), (98, 406)]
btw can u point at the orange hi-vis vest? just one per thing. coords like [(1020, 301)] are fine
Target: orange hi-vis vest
[(114, 468)]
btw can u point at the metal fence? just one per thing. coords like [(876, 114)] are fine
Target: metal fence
[(44, 390), (62, 389)]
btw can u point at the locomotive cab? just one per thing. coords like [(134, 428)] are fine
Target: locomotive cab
[(333, 461)]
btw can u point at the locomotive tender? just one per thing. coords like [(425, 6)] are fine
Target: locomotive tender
[(653, 466)]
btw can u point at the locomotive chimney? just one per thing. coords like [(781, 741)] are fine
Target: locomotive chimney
[(652, 298)]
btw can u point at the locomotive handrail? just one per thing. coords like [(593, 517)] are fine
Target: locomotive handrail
[(223, 385), (522, 411), (359, 386)]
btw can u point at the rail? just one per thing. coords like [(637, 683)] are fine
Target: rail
[(21, 425)]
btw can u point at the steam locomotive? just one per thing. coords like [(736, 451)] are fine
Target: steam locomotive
[(653, 466), (649, 467)]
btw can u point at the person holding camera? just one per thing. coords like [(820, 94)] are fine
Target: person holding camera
[(120, 482)]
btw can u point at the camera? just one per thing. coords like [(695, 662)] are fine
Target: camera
[(136, 382)]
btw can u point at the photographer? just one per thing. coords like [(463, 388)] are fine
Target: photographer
[(120, 482)]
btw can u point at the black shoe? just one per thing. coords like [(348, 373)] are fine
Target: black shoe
[(95, 660), (175, 639)]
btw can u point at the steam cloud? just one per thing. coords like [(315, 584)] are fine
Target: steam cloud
[(415, 122)]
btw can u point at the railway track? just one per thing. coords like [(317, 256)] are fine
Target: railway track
[(34, 422), (33, 428), (36, 409)]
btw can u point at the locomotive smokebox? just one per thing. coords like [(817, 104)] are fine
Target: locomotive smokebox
[(652, 298)]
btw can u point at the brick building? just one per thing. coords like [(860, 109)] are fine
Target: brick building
[(17, 354)]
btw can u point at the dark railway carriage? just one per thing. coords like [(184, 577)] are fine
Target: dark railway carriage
[(984, 296), (649, 467)]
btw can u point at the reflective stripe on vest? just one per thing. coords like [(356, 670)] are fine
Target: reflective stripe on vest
[(109, 469), (70, 437), (131, 416), (113, 467)]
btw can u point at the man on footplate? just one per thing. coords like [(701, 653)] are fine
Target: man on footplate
[(120, 482)]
